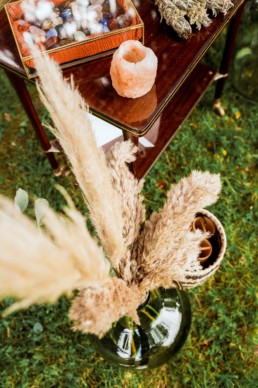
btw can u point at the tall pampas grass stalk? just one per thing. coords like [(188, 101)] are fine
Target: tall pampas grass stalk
[(38, 267), (133, 209), (73, 129)]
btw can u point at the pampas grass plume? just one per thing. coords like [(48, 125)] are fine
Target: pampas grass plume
[(97, 307), (38, 267), (73, 130)]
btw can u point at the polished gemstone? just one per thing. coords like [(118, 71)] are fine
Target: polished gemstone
[(51, 32), (99, 2), (103, 21), (58, 28), (51, 42), (113, 24), (66, 14), (79, 35), (105, 28), (47, 24), (36, 31)]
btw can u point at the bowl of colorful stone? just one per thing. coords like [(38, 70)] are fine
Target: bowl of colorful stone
[(72, 29)]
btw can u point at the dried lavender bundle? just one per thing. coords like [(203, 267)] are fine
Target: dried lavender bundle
[(181, 15), (38, 267), (165, 233), (197, 14), (133, 210), (174, 17), (217, 6), (73, 129), (97, 307), (184, 5)]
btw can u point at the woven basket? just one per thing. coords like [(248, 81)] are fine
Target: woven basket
[(197, 275)]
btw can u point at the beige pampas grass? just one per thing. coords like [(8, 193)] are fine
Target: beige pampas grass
[(166, 233), (133, 209), (73, 130), (175, 265), (97, 307), (38, 267)]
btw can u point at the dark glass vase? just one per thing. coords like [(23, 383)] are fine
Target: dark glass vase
[(165, 319)]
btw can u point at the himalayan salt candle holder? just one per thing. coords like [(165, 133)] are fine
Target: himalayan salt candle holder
[(133, 69)]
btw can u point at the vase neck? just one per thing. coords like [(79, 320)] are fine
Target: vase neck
[(145, 301)]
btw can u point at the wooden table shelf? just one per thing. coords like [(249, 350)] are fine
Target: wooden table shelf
[(181, 81)]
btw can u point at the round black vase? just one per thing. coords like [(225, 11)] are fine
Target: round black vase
[(165, 320)]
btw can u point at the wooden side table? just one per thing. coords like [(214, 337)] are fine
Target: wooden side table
[(181, 81)]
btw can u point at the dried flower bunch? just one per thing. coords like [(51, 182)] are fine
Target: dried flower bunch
[(181, 15), (145, 254)]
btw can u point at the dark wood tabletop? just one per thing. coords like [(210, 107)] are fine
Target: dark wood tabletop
[(176, 60), (180, 83)]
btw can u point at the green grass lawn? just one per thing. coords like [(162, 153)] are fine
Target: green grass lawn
[(38, 348)]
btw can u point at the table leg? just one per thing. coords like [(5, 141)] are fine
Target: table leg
[(20, 87), (226, 58)]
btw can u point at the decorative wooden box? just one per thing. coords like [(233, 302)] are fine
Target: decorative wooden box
[(93, 46)]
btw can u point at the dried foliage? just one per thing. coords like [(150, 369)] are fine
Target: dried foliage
[(133, 209), (97, 307), (38, 267), (198, 15), (175, 17), (181, 15), (74, 132), (217, 6), (166, 237)]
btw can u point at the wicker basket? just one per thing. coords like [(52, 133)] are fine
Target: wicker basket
[(194, 277)]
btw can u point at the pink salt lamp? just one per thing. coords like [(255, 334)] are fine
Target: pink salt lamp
[(133, 69)]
